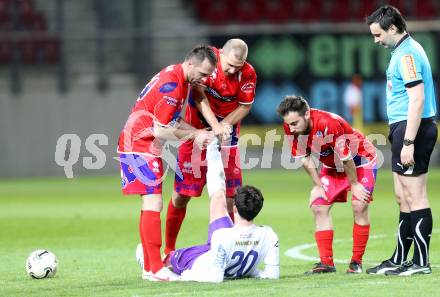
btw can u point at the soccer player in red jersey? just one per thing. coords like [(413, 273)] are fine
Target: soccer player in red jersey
[(230, 90), (348, 164), (153, 119)]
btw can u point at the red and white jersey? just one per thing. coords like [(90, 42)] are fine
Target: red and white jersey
[(160, 101), (236, 253), (333, 139), (225, 92)]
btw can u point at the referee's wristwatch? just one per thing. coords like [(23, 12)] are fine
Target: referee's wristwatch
[(408, 142)]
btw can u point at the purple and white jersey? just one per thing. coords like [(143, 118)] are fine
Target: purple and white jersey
[(236, 252)]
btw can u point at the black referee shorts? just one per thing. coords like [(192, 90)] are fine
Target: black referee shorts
[(423, 146)]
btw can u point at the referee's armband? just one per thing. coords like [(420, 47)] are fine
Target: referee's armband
[(413, 83)]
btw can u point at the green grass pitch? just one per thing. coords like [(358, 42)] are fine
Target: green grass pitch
[(93, 230)]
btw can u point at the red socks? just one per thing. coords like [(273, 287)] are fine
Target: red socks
[(324, 240), (360, 239), (174, 221), (151, 240)]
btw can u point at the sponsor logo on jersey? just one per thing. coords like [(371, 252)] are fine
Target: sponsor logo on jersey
[(216, 95), (170, 100), (409, 67), (247, 243), (156, 167), (168, 87), (326, 153), (187, 167), (248, 87)]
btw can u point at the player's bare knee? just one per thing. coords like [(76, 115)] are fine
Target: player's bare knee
[(320, 211), (152, 202), (360, 209)]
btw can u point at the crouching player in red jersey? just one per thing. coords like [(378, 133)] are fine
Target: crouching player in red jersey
[(348, 164), (153, 119), (230, 90)]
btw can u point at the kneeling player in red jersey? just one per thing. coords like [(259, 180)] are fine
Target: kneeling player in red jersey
[(348, 164)]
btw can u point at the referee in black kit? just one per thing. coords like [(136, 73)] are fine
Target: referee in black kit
[(411, 108)]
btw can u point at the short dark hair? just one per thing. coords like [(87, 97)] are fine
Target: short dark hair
[(249, 202), (202, 52), (293, 103), (386, 16)]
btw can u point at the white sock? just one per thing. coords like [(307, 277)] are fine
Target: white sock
[(215, 177)]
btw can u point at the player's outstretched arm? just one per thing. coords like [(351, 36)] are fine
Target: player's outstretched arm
[(200, 136)]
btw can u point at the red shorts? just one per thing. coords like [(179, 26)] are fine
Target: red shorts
[(141, 174), (192, 164), (336, 184)]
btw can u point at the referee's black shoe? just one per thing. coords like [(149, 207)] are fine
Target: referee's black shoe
[(382, 267), (410, 268)]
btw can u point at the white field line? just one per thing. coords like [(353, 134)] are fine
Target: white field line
[(296, 252)]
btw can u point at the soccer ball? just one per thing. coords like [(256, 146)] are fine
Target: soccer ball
[(140, 255), (41, 264)]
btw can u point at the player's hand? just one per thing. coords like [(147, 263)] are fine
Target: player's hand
[(222, 131), (407, 155), (202, 137), (358, 190), (317, 192)]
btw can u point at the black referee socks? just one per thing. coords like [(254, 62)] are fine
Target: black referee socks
[(404, 239), (421, 224)]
